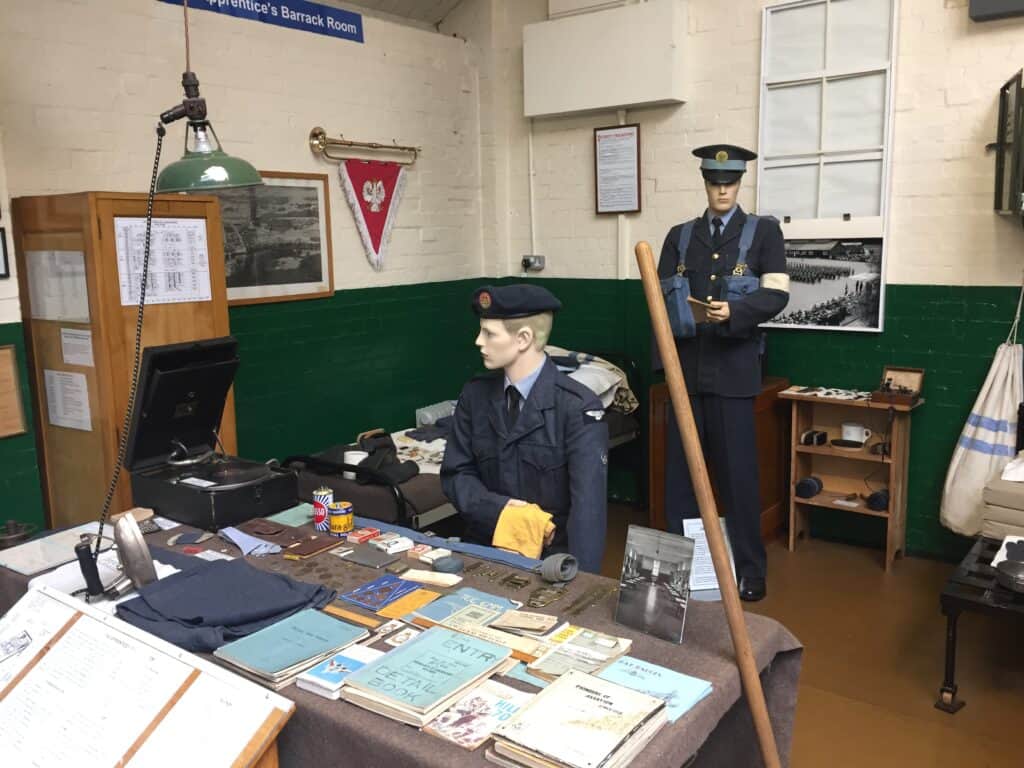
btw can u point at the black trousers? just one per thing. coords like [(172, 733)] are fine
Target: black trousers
[(726, 428)]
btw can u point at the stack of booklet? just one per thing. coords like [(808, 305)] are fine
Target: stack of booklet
[(417, 681), (275, 655), (579, 721), (578, 648)]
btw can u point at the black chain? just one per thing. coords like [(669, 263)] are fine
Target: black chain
[(130, 410)]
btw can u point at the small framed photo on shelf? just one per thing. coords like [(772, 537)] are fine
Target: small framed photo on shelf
[(5, 265), (277, 239), (617, 169)]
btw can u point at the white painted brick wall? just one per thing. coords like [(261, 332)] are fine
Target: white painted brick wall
[(942, 228), (81, 85)]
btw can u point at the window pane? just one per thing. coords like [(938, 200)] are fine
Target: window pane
[(855, 112), (789, 191), (854, 188), (792, 119), (858, 34), (796, 41)]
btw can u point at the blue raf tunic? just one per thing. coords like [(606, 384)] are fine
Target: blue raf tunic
[(555, 456)]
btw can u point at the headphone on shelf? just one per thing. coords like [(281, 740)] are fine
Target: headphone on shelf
[(813, 437)]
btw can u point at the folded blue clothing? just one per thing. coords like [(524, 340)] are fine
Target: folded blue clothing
[(212, 604)]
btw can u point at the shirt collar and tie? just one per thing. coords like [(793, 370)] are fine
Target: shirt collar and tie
[(724, 217), (516, 393)]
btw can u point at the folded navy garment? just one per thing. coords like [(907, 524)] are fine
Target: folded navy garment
[(207, 606), (437, 431)]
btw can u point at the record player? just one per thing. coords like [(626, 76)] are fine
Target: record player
[(171, 453)]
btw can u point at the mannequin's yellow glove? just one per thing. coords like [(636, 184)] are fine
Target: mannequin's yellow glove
[(523, 528)]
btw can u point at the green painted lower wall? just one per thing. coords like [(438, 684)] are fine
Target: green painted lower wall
[(315, 373), (21, 497)]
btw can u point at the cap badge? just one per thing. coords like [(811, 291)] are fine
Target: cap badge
[(484, 300), (721, 156)]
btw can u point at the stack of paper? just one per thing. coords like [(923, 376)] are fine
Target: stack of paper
[(471, 720), (417, 681), (580, 649), (525, 623), (439, 610), (275, 655), (679, 692), (327, 677), (579, 721)]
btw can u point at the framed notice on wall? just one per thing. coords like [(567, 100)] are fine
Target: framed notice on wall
[(12, 416), (617, 169)]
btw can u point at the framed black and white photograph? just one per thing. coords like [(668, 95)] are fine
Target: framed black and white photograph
[(654, 587), (834, 284), (617, 169), (277, 239), (5, 266)]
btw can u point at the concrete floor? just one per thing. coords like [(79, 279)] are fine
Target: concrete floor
[(873, 660)]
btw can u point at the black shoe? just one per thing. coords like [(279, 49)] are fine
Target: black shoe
[(752, 588)]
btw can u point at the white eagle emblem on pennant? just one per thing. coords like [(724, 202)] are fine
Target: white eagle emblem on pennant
[(374, 193)]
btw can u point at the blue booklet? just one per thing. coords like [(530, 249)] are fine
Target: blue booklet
[(302, 636), (428, 670), (679, 692), (380, 592), (443, 607)]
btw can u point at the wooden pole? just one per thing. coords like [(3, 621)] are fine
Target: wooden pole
[(706, 501)]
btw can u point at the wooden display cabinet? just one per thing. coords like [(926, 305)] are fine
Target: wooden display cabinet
[(844, 472), (771, 423), (69, 279)]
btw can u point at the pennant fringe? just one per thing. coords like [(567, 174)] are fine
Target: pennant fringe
[(376, 258)]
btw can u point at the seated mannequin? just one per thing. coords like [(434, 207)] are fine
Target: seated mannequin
[(526, 463)]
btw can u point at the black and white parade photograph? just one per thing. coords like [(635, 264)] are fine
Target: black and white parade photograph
[(834, 284), (655, 583), (277, 238)]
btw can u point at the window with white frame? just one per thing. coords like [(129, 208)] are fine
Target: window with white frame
[(826, 77)]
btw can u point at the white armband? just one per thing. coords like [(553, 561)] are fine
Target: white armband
[(778, 281)]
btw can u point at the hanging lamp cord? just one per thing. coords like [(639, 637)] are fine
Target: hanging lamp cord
[(188, 48)]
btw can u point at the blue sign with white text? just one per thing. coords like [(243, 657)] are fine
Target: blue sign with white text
[(294, 14)]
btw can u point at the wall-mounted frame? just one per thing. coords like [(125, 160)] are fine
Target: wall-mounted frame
[(5, 265), (617, 169), (12, 414), (277, 239), (1009, 145), (835, 284)]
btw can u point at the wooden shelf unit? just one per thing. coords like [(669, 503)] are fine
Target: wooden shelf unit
[(844, 472)]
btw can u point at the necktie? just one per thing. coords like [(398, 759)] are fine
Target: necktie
[(716, 236), (513, 398)]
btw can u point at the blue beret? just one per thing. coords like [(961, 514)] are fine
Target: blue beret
[(508, 301), (723, 163)]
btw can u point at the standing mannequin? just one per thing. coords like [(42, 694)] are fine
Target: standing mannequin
[(721, 362), (526, 462)]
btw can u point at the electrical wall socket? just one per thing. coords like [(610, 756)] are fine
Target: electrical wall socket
[(533, 263)]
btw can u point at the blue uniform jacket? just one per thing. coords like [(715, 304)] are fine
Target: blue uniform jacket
[(556, 457), (724, 359)]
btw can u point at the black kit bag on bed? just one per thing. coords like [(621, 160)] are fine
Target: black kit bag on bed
[(382, 458)]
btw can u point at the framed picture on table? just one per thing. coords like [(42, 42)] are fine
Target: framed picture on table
[(277, 239)]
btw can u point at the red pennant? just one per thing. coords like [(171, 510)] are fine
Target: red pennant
[(373, 190)]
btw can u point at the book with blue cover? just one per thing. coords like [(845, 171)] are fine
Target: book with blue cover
[(441, 609), (277, 653), (380, 592), (327, 677), (679, 692), (418, 680)]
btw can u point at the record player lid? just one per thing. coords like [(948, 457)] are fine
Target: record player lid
[(180, 400)]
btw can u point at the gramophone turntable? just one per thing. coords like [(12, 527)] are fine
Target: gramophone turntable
[(176, 469)]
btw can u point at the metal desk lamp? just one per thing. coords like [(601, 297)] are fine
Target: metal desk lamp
[(205, 166)]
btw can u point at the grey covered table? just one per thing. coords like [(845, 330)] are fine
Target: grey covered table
[(718, 731)]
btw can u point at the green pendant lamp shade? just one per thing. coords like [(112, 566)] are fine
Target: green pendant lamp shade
[(206, 166)]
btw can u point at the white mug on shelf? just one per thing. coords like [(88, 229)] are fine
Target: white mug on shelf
[(855, 432), (352, 457)]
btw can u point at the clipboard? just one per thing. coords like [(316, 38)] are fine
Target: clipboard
[(699, 309)]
